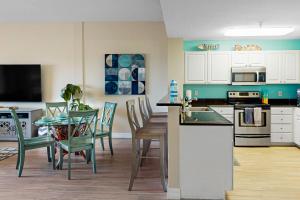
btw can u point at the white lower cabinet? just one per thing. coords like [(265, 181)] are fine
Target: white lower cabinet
[(297, 126), (226, 112), (282, 125)]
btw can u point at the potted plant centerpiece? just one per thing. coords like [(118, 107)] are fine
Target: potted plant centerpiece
[(73, 94)]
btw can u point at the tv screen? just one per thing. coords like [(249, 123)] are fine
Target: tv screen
[(20, 83)]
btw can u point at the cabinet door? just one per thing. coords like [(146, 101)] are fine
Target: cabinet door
[(195, 67), (274, 62), (290, 70), (297, 126), (256, 59), (219, 66), (239, 59)]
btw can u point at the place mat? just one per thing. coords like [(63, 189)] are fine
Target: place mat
[(6, 152)]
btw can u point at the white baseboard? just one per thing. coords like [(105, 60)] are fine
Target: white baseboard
[(173, 193), (121, 135)]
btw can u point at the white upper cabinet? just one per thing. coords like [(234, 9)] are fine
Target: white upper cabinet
[(283, 67), (274, 62), (291, 66), (195, 67), (219, 67), (248, 58)]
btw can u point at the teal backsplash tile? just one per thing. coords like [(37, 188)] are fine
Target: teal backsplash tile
[(220, 91)]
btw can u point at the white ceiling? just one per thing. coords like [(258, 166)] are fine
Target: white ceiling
[(206, 19), (80, 10), (189, 19)]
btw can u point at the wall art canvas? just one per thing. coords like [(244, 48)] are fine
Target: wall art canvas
[(125, 74)]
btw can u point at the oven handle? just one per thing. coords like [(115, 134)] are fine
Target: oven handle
[(261, 136)]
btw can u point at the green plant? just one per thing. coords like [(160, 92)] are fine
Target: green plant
[(73, 94)]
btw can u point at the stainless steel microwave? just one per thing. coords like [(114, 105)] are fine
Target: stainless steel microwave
[(248, 75)]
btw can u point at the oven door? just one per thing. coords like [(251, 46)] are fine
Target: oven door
[(242, 128)]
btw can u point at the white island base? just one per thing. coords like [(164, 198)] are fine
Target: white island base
[(206, 161)]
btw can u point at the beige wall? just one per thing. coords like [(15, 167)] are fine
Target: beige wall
[(175, 71), (55, 46), (105, 37), (58, 47)]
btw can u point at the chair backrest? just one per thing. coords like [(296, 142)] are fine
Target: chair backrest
[(82, 124), (19, 129), (107, 116), (149, 108), (144, 115), (132, 118), (55, 108)]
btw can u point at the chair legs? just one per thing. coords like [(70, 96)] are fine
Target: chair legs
[(21, 162), (102, 143), (18, 159), (146, 147), (162, 163), (134, 163), (48, 154), (69, 166), (94, 159), (53, 155), (61, 158), (110, 145)]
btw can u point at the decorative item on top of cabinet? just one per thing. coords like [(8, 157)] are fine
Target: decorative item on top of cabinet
[(248, 47), (208, 47)]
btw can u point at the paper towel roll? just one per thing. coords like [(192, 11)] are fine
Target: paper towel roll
[(188, 94)]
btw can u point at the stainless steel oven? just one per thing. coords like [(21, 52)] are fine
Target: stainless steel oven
[(253, 133), (248, 75)]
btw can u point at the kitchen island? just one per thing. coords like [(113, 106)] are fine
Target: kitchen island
[(204, 152)]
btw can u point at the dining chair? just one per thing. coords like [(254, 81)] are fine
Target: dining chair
[(28, 144), (144, 133), (52, 110), (150, 111), (106, 123), (153, 122), (81, 136)]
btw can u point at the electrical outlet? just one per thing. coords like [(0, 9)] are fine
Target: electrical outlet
[(279, 93), (196, 93)]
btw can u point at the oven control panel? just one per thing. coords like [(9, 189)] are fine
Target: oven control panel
[(240, 94)]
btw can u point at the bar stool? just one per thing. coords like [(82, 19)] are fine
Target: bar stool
[(144, 133), (150, 111)]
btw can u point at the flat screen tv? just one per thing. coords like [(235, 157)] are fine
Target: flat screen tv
[(20, 83)]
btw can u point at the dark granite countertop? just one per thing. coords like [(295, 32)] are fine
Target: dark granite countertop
[(203, 118), (165, 101), (223, 102)]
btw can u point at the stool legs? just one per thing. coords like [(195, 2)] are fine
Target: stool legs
[(162, 162)]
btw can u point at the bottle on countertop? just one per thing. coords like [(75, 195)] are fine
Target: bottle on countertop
[(265, 97), (173, 91)]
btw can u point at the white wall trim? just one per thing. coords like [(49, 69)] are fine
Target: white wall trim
[(121, 135), (173, 193)]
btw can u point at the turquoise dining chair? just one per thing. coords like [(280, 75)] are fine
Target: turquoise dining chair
[(106, 123), (81, 136), (53, 109), (31, 143)]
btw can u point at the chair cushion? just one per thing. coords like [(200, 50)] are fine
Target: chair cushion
[(158, 120), (159, 114)]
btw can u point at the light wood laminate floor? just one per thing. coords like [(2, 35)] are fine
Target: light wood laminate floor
[(264, 174)]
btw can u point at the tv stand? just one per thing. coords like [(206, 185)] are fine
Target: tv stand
[(26, 116)]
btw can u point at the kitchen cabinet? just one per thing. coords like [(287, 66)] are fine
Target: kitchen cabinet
[(297, 126), (208, 67), (282, 67), (195, 67), (248, 58), (282, 125), (219, 67), (225, 111)]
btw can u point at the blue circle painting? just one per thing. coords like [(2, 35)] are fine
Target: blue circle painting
[(125, 60), (111, 87)]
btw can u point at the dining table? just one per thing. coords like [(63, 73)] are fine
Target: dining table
[(57, 127)]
